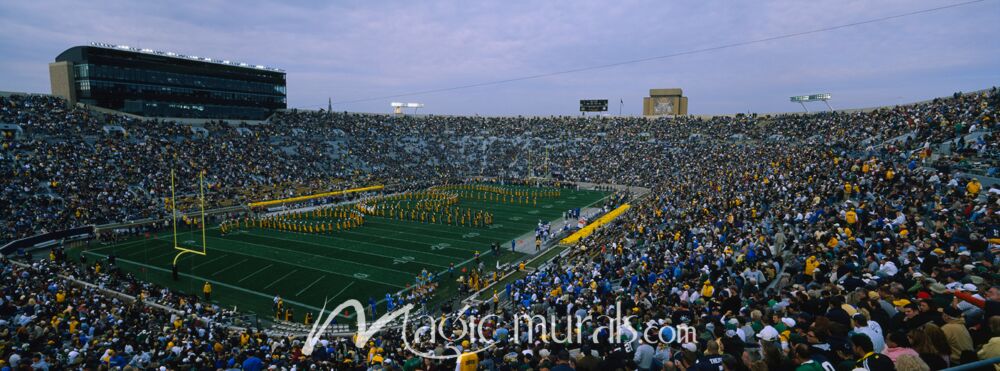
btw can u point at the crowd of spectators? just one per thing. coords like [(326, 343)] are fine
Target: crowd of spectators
[(72, 166), (798, 241)]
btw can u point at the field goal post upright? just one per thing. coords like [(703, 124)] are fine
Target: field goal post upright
[(173, 206)]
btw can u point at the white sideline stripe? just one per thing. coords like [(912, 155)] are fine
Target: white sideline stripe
[(311, 285), (221, 284), (282, 277), (258, 271), (227, 268)]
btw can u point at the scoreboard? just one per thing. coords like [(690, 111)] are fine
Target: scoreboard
[(593, 105)]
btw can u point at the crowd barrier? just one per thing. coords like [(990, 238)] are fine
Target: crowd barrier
[(986, 364)]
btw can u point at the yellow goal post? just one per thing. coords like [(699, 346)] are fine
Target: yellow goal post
[(173, 208)]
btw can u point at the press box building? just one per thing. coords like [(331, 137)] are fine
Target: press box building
[(152, 83)]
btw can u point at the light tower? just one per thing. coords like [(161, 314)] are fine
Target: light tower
[(397, 107), (802, 99)]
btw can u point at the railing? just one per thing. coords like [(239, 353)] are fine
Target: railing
[(984, 364)]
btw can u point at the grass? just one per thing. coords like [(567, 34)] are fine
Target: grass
[(247, 268)]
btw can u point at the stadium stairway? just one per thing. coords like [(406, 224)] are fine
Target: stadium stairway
[(946, 146)]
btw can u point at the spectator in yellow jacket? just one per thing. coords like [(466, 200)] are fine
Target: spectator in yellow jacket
[(973, 187), (851, 216), (707, 290), (811, 265)]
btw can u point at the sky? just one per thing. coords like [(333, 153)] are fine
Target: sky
[(354, 51)]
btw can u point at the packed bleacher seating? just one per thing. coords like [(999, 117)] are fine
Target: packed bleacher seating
[(855, 239)]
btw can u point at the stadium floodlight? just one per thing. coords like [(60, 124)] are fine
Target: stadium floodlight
[(397, 107), (183, 56), (802, 99)]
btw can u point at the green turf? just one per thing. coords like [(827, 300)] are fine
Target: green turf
[(247, 268)]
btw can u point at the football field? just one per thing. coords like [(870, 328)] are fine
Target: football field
[(247, 267)]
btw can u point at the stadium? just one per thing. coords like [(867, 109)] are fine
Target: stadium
[(166, 211)]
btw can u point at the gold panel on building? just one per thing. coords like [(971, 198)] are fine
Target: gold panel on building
[(665, 102)]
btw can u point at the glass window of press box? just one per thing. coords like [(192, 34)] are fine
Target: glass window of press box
[(115, 73)]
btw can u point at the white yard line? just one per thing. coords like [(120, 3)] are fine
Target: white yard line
[(221, 284), (210, 261), (227, 268), (254, 273), (313, 283), (282, 277), (344, 289)]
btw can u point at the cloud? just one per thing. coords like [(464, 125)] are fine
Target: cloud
[(352, 51)]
